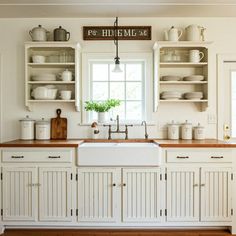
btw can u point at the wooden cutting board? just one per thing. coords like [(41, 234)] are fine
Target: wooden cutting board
[(58, 126)]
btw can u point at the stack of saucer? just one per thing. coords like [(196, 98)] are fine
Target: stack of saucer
[(170, 78), (171, 95), (194, 78), (193, 96)]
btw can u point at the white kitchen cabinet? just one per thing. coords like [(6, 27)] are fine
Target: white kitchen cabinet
[(97, 194), (19, 194), (55, 194), (135, 191), (216, 194), (142, 195), (59, 56), (182, 194), (182, 68)]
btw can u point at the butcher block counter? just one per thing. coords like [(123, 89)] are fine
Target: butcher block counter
[(207, 143)]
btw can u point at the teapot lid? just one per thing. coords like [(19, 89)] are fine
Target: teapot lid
[(39, 27), (60, 28)]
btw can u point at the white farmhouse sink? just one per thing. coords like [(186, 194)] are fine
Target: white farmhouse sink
[(119, 154)]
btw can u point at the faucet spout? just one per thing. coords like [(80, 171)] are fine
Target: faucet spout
[(145, 126)]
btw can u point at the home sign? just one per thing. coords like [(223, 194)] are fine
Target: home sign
[(123, 32)]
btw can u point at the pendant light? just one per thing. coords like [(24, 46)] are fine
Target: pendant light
[(117, 68)]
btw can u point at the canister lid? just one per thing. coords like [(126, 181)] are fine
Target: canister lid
[(172, 123), (186, 123), (199, 126), (27, 118), (42, 122)]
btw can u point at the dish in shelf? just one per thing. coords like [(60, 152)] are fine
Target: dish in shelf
[(38, 59), (171, 95), (170, 78), (193, 95), (194, 78), (44, 77)]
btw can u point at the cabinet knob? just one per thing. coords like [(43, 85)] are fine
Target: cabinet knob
[(114, 185), (195, 185), (202, 185), (124, 184)]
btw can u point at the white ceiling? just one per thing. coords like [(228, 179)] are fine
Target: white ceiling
[(121, 8)]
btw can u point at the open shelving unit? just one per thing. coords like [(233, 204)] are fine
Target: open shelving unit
[(71, 62), (181, 68)]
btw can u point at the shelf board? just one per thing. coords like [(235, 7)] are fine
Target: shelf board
[(50, 64), (183, 82), (183, 100), (182, 64), (56, 100), (51, 82)]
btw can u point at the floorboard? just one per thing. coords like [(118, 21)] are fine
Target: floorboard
[(116, 233)]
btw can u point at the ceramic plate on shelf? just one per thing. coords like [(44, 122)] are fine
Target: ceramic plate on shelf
[(193, 95), (170, 78), (194, 78), (44, 77)]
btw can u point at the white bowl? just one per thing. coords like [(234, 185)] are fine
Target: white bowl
[(170, 78), (38, 59), (44, 77)]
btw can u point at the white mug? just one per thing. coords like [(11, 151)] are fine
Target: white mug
[(195, 56), (65, 94)]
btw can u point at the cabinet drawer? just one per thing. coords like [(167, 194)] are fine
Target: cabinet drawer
[(37, 155), (185, 156)]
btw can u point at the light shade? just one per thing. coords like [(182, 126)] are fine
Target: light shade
[(117, 68)]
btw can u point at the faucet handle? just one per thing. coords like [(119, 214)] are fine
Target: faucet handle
[(129, 125), (106, 125)]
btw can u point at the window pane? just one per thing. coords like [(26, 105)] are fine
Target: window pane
[(233, 107), (100, 72), (120, 110), (100, 91), (134, 110), (117, 90), (133, 91), (134, 72), (120, 76)]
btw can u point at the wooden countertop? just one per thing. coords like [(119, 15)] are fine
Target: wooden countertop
[(207, 143)]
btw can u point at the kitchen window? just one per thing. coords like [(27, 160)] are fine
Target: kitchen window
[(129, 86)]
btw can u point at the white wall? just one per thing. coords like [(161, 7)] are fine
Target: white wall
[(14, 32)]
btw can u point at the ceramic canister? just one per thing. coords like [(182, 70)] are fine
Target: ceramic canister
[(42, 130), (27, 128), (186, 131), (199, 132), (173, 130)]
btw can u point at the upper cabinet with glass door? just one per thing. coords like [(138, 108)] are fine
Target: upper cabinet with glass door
[(181, 73), (52, 73)]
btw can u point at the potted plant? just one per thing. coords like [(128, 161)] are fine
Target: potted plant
[(101, 107)]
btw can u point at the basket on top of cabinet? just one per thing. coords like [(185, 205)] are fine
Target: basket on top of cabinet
[(52, 67)]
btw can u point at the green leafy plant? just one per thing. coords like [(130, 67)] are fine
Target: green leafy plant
[(101, 106)]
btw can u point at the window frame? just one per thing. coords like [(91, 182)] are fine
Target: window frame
[(86, 84)]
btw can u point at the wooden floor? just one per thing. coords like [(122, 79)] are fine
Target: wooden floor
[(116, 233)]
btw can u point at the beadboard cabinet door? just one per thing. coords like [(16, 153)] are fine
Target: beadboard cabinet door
[(216, 194), (98, 194), (142, 195), (19, 194), (55, 194), (182, 194)]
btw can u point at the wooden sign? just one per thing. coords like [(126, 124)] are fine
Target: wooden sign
[(124, 32)]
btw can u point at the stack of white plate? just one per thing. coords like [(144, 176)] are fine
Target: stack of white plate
[(170, 78), (44, 77), (194, 78), (193, 96), (171, 95)]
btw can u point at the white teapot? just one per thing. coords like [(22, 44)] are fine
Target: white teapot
[(173, 34)]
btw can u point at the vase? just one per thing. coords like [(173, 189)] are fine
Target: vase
[(101, 117)]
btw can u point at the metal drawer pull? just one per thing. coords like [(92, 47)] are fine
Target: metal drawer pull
[(217, 157), (202, 185), (54, 157), (182, 157), (195, 185), (17, 157), (35, 185)]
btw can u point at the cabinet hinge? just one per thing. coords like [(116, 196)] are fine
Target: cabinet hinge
[(232, 176), (71, 212), (76, 177), (71, 176), (232, 212), (160, 212), (165, 212), (1, 176), (161, 177), (165, 176), (77, 212), (1, 212)]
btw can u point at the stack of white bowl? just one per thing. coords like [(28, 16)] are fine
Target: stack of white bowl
[(171, 95)]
